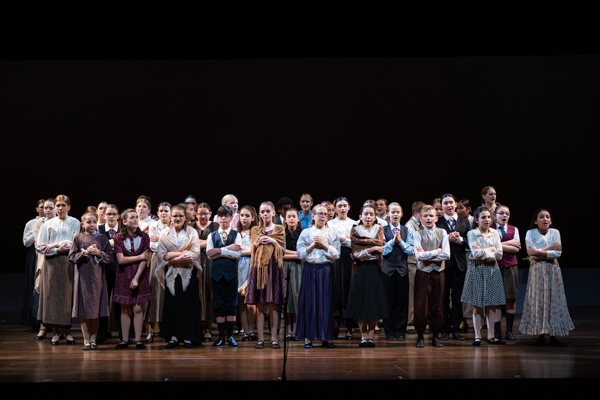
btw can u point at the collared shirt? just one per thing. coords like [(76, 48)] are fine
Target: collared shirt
[(433, 254), (225, 252), (305, 220), (406, 245), (455, 218), (318, 256), (410, 226), (343, 227)]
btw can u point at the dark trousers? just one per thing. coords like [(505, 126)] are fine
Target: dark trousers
[(396, 293), (454, 281), (103, 327), (225, 297), (429, 296)]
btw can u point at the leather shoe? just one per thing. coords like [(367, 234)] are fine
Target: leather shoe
[(219, 342), (188, 345), (393, 338), (510, 336), (445, 336), (172, 344), (436, 342), (477, 342), (40, 337), (328, 345), (232, 341), (495, 341), (427, 331), (94, 346), (122, 345), (458, 336), (308, 344), (420, 343), (400, 337), (411, 331)]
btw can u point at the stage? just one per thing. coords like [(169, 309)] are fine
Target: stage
[(23, 359)]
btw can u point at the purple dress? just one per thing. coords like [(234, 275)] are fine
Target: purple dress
[(126, 272), (90, 297), (274, 290)]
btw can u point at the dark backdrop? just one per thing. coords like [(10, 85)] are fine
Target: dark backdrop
[(110, 119)]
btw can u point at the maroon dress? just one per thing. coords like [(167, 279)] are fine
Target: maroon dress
[(126, 272)]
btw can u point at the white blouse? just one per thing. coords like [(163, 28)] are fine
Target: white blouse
[(58, 231), (156, 227), (342, 227), (28, 239), (318, 256), (485, 242), (533, 238), (144, 223), (372, 234)]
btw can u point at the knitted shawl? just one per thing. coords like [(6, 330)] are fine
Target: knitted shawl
[(167, 272), (360, 243), (261, 253)]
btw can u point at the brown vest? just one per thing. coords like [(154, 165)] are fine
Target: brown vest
[(429, 245)]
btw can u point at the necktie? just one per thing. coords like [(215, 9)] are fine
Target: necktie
[(112, 233), (224, 237), (502, 232), (395, 230), (451, 224)]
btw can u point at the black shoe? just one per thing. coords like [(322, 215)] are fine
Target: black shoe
[(495, 341), (328, 345), (220, 342), (172, 344), (139, 345), (400, 337), (363, 343), (260, 345), (72, 341), (349, 334), (122, 345), (232, 341), (510, 336), (40, 337), (87, 346), (275, 345), (411, 331), (187, 344), (445, 336), (253, 337), (245, 338), (308, 344), (94, 346), (458, 336), (477, 342), (370, 343), (427, 330), (392, 338), (436, 342), (295, 339), (420, 343)]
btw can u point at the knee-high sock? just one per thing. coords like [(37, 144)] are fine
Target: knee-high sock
[(230, 326), (477, 325), (510, 319), (221, 326), (491, 321)]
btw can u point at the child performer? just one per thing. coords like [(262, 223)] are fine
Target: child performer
[(511, 244), (27, 318), (90, 252), (142, 207), (292, 268), (110, 229), (318, 246), (132, 285), (545, 306), (342, 267), (306, 202), (437, 205), (488, 199), (382, 209), (155, 308), (224, 249), (230, 201), (248, 220), (455, 268), (204, 228), (432, 248), (56, 277), (413, 225), (463, 209), (366, 300), (330, 209), (101, 211), (266, 280), (178, 255), (398, 247), (49, 213), (483, 282)]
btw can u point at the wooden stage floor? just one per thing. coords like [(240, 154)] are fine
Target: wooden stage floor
[(23, 359)]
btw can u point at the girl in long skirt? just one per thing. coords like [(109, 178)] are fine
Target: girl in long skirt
[(318, 246), (266, 280), (545, 307), (90, 253), (56, 277), (247, 221), (292, 267)]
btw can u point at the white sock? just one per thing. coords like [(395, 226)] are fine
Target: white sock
[(491, 319), (477, 325)]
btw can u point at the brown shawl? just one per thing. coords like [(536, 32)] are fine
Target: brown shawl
[(261, 253), (360, 243)]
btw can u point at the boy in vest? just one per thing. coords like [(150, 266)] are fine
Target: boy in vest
[(397, 249), (413, 225), (511, 244), (224, 249), (432, 248)]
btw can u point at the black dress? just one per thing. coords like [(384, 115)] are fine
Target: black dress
[(181, 312)]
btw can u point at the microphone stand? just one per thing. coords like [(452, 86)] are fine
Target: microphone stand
[(283, 378)]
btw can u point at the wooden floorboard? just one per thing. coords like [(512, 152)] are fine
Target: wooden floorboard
[(23, 359)]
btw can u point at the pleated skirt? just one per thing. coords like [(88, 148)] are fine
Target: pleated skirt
[(483, 285)]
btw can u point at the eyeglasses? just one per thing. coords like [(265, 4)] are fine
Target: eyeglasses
[(111, 214), (503, 213), (322, 214), (204, 214)]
